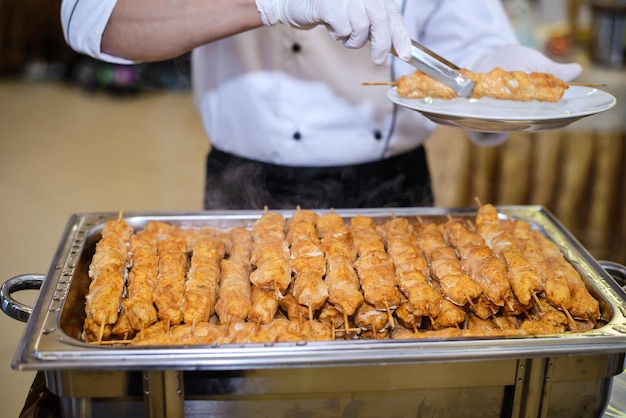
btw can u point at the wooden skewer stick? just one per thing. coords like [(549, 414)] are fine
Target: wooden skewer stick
[(393, 83), (257, 325), (378, 83), (496, 320), (101, 332), (112, 342), (389, 316), (571, 321), (588, 84), (346, 327), (471, 304)]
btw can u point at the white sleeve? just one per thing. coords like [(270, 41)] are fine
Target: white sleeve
[(463, 30), (83, 23)]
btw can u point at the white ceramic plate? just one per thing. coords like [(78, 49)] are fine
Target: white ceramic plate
[(494, 115)]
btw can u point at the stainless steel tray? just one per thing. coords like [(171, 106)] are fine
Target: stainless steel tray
[(558, 375), (52, 337)]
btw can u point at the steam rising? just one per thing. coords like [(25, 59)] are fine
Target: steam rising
[(244, 184)]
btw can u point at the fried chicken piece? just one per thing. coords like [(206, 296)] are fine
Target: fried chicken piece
[(156, 334), (331, 315), (294, 310), (367, 317), (451, 315), (406, 316), (264, 305)]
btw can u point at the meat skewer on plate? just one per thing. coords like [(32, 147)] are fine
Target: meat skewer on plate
[(497, 83)]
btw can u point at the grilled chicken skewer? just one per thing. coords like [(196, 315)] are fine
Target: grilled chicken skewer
[(234, 294), (270, 254), (307, 260), (344, 291), (479, 263), (170, 288), (142, 279), (555, 288), (584, 305), (108, 278), (374, 267), (203, 280), (411, 270), (444, 265), (497, 83), (523, 276)]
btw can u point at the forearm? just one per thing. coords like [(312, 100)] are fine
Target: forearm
[(153, 30)]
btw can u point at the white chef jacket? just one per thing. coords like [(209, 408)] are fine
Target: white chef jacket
[(294, 97)]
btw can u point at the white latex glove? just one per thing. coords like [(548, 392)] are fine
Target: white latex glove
[(518, 58), (353, 21)]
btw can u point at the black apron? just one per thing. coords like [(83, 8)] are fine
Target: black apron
[(238, 183)]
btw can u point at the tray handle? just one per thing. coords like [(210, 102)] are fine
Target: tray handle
[(617, 272), (12, 307)]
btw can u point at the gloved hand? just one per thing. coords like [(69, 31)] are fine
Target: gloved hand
[(353, 21), (522, 58)]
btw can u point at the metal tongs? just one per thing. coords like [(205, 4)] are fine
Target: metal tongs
[(439, 68)]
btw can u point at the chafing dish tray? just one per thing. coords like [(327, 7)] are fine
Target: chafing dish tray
[(567, 374)]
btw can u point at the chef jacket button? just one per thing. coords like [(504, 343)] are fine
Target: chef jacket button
[(296, 47), (378, 135), (297, 136)]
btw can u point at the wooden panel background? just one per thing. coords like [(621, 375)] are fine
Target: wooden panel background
[(576, 174)]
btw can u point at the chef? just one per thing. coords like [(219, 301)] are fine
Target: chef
[(278, 87)]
